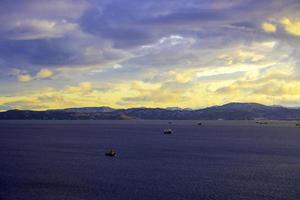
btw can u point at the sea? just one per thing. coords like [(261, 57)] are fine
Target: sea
[(218, 160)]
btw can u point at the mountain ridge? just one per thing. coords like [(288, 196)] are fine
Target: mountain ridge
[(229, 111)]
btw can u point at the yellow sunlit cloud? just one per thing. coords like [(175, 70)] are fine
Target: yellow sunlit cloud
[(291, 26), (85, 86), (81, 88), (24, 77), (275, 85), (44, 73), (268, 27), (257, 72)]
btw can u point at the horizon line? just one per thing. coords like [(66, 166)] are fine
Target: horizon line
[(166, 108)]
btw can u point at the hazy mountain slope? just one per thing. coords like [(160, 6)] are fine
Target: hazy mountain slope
[(88, 109), (231, 111)]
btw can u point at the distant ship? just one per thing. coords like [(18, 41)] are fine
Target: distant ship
[(168, 131), (262, 122), (111, 153)]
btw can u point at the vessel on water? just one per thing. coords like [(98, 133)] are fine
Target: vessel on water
[(111, 153), (259, 122), (168, 131)]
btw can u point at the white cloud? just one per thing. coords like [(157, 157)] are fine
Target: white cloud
[(169, 42), (117, 66)]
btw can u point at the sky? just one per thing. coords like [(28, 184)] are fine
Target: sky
[(154, 53)]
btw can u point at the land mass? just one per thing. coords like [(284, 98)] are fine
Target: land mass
[(231, 111)]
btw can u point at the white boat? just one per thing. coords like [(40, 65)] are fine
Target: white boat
[(168, 131)]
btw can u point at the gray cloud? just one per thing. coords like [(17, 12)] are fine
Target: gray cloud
[(148, 38)]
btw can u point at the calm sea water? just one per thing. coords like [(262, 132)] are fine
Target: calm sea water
[(219, 160)]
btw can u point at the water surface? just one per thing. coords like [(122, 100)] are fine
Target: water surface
[(219, 160)]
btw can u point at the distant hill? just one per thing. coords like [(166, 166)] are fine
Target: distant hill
[(231, 111), (249, 111), (88, 109)]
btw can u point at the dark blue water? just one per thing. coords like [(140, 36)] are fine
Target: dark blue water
[(65, 160)]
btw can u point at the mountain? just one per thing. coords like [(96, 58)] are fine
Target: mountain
[(61, 115), (88, 109), (231, 111), (249, 111)]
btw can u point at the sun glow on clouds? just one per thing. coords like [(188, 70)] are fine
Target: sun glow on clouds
[(263, 77), (268, 27), (24, 77), (90, 53), (42, 74), (291, 26)]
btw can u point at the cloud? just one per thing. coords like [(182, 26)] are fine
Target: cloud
[(152, 53), (4, 107), (291, 26), (117, 66), (38, 33), (82, 94), (139, 23), (81, 88), (44, 73), (85, 86), (23, 104), (269, 27), (39, 19), (24, 77), (149, 94), (277, 81), (39, 29)]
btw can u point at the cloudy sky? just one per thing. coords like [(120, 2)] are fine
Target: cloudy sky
[(154, 53)]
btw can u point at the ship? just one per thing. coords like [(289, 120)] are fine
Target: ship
[(111, 153), (168, 131)]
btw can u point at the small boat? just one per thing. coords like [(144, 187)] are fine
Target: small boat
[(111, 153), (262, 122), (199, 123), (168, 131)]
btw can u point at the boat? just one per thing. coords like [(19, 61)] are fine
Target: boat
[(168, 131), (199, 123), (111, 153), (261, 122)]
